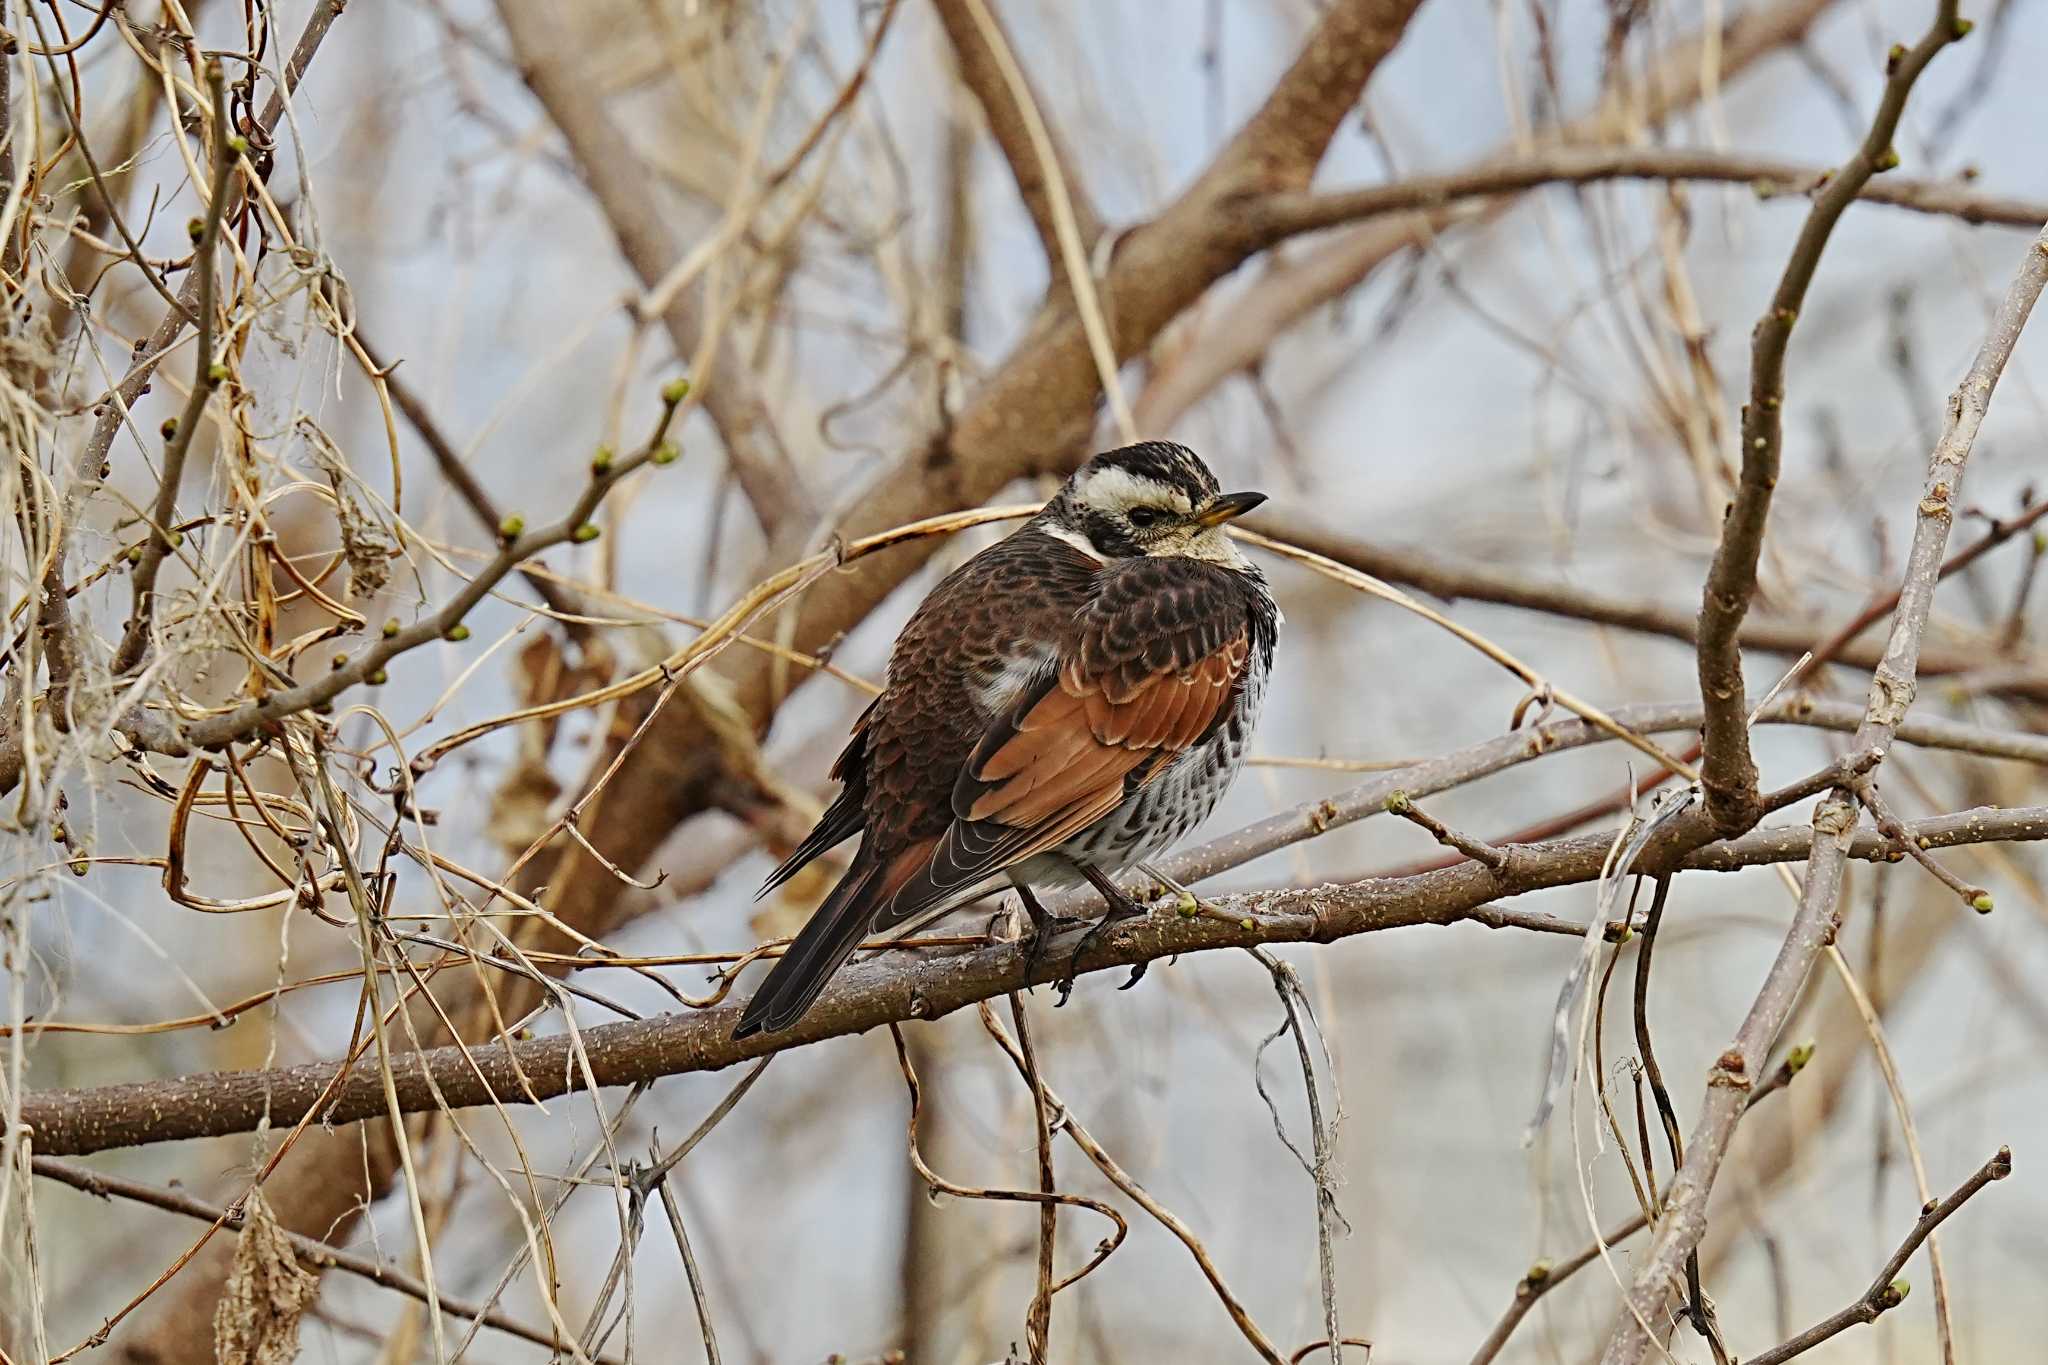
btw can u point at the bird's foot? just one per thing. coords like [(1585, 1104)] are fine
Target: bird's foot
[(1043, 931), (1121, 908), (1045, 926)]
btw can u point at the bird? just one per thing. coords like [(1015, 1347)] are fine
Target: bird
[(1061, 707)]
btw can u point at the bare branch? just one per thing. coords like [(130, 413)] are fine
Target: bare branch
[(981, 73), (1284, 215), (1416, 567), (206, 377), (1545, 1276), (1311, 819), (1814, 924), (1976, 897), (1727, 772), (77, 1122), (520, 544), (1887, 1291), (1254, 1336), (1239, 332), (316, 1254)]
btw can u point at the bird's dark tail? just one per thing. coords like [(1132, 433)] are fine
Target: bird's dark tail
[(827, 939)]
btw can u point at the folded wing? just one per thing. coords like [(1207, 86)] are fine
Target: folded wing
[(1158, 659)]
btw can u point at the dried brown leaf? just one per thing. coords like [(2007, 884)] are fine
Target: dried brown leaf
[(267, 1292)]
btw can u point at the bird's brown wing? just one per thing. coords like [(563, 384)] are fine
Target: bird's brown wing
[(1150, 656), (1152, 666)]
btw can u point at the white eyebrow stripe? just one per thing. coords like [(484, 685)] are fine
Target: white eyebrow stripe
[(1114, 489)]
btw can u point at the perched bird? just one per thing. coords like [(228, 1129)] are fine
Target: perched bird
[(1064, 705)]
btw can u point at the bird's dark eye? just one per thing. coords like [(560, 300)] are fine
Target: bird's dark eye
[(1142, 517)]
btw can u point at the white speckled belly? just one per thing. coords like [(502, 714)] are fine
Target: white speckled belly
[(1162, 812)]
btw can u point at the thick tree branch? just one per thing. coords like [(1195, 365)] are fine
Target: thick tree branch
[(1312, 819), (1727, 771), (899, 987), (1815, 923), (1236, 334), (981, 72)]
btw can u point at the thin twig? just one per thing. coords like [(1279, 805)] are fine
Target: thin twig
[(207, 375), (1881, 1047), (521, 544), (455, 469), (314, 1253), (1475, 848), (1285, 215), (1696, 1307), (1065, 220), (1038, 1320), (1976, 897), (1887, 1291), (1322, 1170), (1260, 1343), (976, 35), (1545, 1276), (1120, 1228), (1442, 576)]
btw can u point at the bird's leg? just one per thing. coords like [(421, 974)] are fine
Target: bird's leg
[(1044, 924), (1121, 907)]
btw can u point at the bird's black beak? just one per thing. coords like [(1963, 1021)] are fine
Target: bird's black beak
[(1228, 507)]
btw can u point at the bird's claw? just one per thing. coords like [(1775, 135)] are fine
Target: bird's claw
[(1043, 931), (1106, 924)]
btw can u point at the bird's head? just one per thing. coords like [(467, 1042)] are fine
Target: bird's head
[(1153, 499)]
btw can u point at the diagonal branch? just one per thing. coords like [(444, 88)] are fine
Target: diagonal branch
[(1728, 773), (1815, 923), (1545, 1275), (317, 1254), (981, 71), (1887, 1291), (1235, 335), (206, 377), (1415, 566)]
